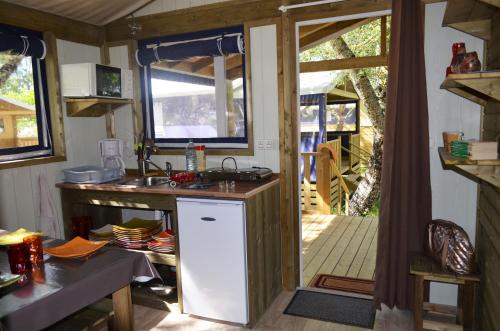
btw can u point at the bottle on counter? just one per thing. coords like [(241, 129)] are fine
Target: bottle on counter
[(201, 160), (191, 156)]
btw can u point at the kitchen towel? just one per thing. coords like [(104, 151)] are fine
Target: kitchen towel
[(47, 221)]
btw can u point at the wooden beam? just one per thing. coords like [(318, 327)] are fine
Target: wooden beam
[(233, 62), (310, 29), (342, 64), (471, 17), (383, 35), (331, 32), (201, 18), (54, 91), (61, 27), (289, 146), (495, 3), (136, 105), (202, 63)]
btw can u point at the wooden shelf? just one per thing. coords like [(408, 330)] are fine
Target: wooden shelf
[(472, 17), (158, 258), (487, 171), (92, 107), (479, 87), (495, 3), (450, 160)]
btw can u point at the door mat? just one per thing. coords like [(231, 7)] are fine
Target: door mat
[(332, 308), (346, 284)]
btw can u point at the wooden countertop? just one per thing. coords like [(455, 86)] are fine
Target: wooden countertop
[(243, 190)]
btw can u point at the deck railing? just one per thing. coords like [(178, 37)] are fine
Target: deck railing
[(330, 189)]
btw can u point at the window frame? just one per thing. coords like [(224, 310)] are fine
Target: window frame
[(358, 111), (215, 146), (42, 109)]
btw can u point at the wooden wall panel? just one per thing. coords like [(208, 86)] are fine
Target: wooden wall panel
[(488, 227)]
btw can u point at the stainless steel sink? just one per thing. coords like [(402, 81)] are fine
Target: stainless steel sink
[(148, 182)]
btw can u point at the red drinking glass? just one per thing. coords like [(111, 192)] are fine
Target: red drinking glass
[(34, 246), (81, 226), (18, 258)]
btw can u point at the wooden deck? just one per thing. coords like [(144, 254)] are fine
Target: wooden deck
[(339, 245)]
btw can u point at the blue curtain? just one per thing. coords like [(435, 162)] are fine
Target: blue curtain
[(309, 140), (216, 46), (21, 44)]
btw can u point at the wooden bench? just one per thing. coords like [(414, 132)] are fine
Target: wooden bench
[(425, 269)]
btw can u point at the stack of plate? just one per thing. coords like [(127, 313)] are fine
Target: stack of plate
[(103, 233), (163, 242), (136, 233)]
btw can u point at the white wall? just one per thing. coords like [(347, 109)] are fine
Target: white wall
[(264, 97), (169, 5), (19, 187), (454, 197)]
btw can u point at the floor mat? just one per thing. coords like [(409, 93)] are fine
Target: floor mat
[(333, 308), (346, 284)]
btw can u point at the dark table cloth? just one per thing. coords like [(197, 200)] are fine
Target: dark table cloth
[(69, 285)]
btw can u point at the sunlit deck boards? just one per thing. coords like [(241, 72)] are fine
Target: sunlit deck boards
[(339, 245)]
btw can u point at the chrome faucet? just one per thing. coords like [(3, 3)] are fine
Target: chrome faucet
[(144, 159)]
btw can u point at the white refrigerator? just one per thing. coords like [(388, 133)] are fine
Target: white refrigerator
[(213, 259)]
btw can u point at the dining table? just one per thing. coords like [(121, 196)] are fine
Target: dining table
[(60, 287)]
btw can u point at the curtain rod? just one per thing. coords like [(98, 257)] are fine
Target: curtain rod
[(307, 4)]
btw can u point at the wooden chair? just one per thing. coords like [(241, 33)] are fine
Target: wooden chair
[(425, 269)]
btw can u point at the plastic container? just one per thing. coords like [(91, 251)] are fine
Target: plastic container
[(91, 174), (191, 156), (201, 161)]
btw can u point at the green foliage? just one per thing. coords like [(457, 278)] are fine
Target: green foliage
[(19, 86), (375, 209), (363, 41)]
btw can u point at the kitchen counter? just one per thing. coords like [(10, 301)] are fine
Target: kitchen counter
[(243, 190), (104, 204)]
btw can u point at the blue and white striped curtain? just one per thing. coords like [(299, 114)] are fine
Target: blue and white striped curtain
[(177, 51)]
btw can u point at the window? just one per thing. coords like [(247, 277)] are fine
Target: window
[(24, 111), (194, 88), (342, 116)]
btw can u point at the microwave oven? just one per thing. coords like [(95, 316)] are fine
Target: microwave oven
[(96, 80)]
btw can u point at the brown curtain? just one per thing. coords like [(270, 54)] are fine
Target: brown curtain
[(405, 187)]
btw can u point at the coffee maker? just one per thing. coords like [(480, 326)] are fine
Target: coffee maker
[(111, 151)]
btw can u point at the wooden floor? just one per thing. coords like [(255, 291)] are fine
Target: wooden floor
[(339, 245), (273, 320)]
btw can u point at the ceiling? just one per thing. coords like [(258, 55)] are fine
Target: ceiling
[(97, 12)]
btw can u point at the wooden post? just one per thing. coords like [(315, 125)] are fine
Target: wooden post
[(307, 181), (418, 308), (123, 310), (110, 123), (323, 181), (54, 90), (346, 203), (110, 116), (383, 35), (468, 304)]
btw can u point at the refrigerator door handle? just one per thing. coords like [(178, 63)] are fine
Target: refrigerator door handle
[(208, 219)]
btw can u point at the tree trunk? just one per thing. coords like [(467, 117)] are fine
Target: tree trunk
[(368, 190), (8, 68)]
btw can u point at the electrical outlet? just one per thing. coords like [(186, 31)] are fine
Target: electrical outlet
[(261, 145), (269, 144)]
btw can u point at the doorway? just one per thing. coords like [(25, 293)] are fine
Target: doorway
[(341, 76)]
